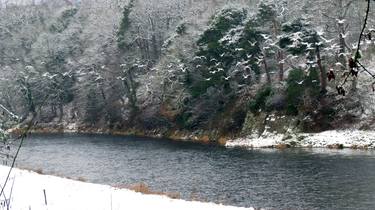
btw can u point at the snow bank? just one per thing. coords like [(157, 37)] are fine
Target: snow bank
[(334, 138), (265, 140), (28, 194), (346, 138)]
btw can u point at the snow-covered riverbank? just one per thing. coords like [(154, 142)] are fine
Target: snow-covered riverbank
[(355, 139), (29, 187)]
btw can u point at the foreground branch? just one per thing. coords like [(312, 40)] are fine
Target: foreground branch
[(22, 137), (357, 55)]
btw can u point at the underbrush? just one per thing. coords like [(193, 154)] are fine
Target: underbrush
[(145, 189)]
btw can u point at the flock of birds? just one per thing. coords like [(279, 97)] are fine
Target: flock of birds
[(270, 45)]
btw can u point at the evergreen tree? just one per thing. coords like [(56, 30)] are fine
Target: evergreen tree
[(301, 40), (124, 25), (229, 41)]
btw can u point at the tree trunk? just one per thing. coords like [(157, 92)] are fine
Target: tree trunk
[(279, 54), (154, 41), (53, 110), (280, 58), (30, 100), (61, 111), (131, 93), (268, 75), (342, 57), (323, 75)]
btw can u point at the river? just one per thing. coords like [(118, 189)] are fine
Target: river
[(276, 179)]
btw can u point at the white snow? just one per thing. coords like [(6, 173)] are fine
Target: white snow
[(71, 128), (66, 194), (346, 138), (232, 36), (254, 141)]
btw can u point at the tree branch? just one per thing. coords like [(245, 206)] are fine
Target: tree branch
[(357, 53), (14, 116)]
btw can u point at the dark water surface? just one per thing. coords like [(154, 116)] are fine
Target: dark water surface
[(288, 179)]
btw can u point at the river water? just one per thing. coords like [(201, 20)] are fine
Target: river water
[(275, 179)]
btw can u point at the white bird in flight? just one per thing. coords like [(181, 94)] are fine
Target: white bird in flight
[(300, 82)]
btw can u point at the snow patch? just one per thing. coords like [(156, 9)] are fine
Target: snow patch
[(344, 138), (265, 140), (71, 128), (28, 193)]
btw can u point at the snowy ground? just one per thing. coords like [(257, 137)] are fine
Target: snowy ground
[(28, 188), (344, 138)]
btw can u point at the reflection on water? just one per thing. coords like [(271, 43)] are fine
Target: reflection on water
[(288, 179)]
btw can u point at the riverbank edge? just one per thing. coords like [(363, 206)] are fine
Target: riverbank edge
[(333, 139), (27, 189), (201, 137)]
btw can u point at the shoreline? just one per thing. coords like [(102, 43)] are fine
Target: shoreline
[(201, 137), (30, 190), (332, 139)]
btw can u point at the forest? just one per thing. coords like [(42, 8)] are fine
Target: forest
[(214, 69)]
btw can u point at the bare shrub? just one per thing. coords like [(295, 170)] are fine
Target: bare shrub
[(145, 189)]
